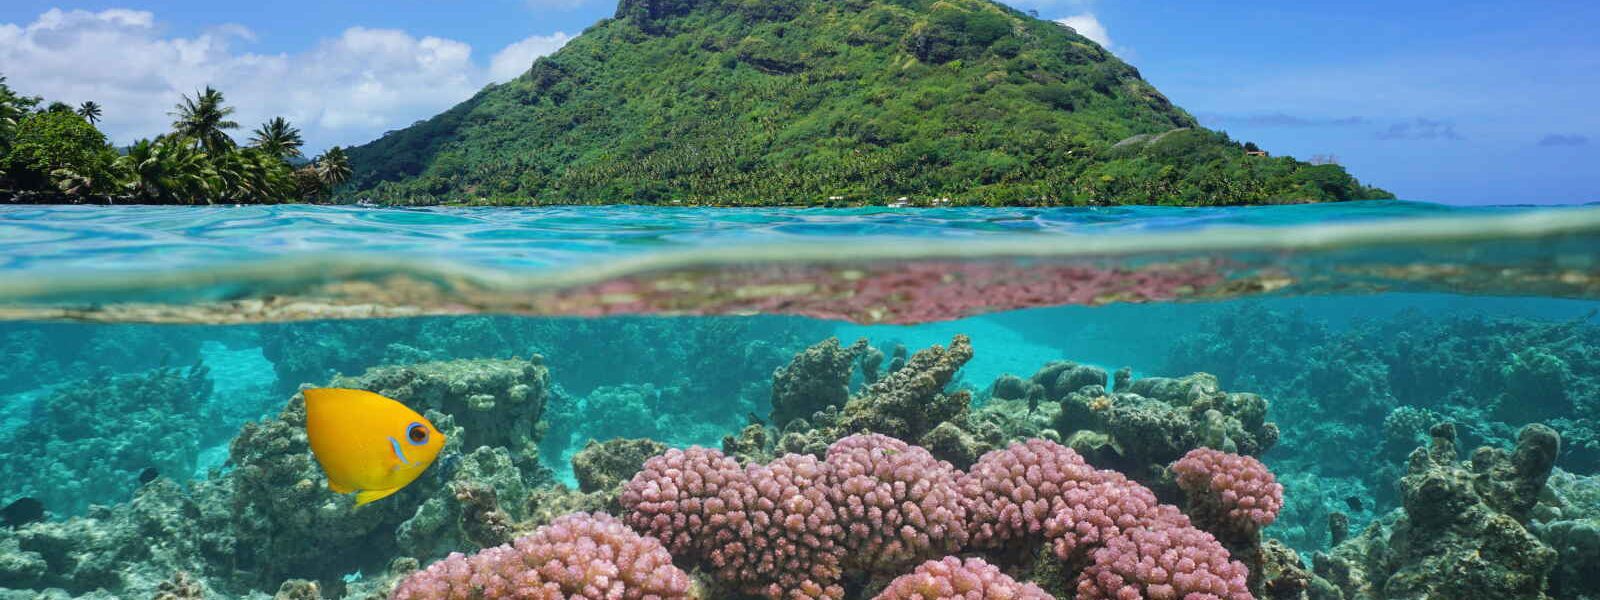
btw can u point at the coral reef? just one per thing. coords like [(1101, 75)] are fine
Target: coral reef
[(1376, 386), (1460, 533), (896, 503), (579, 556), (958, 579), (602, 466), (87, 442), (1159, 419), (906, 487), (799, 527), (270, 517), (1230, 495), (814, 380), (1568, 519), (1163, 562), (907, 403), (46, 354)]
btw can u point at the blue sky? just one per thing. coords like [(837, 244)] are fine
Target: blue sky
[(1460, 102)]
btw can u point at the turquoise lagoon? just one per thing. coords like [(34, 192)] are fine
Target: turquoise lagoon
[(136, 343)]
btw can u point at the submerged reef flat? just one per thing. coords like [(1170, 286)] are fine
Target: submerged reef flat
[(763, 459), (1373, 390)]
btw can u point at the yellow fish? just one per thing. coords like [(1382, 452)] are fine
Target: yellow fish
[(368, 444)]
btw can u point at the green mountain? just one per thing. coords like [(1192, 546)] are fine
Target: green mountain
[(828, 101)]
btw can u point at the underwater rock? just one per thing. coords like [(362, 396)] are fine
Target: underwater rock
[(1159, 419), (1063, 377), (814, 380), (871, 361), (298, 589), (751, 444), (955, 445), (129, 549), (73, 455), (518, 389), (1568, 519), (182, 586), (1450, 540), (905, 404), (1376, 386), (482, 521), (1010, 387), (288, 523), (602, 466)]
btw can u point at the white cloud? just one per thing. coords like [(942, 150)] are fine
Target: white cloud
[(1088, 26), (516, 58), (345, 90)]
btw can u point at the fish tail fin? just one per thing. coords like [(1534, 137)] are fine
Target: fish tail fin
[(367, 496)]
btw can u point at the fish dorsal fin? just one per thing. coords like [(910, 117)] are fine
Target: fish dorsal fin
[(365, 496), (339, 489)]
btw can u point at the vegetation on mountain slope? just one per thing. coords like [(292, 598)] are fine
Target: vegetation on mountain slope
[(828, 101)]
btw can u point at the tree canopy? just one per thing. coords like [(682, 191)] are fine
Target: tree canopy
[(836, 101)]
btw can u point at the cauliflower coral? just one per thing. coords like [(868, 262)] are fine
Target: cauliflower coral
[(1232, 495), (578, 556), (956, 579)]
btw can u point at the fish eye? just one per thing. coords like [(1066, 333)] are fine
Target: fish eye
[(417, 433)]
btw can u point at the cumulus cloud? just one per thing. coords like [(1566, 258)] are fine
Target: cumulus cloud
[(1420, 129), (344, 90), (1089, 26), (507, 64), (1562, 139)]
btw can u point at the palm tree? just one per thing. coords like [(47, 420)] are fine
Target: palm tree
[(90, 111), (333, 168), (253, 175), (278, 138), (166, 171), (203, 120)]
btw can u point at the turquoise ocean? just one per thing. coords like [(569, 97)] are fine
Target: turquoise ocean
[(149, 358)]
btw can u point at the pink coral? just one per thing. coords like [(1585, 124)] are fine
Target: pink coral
[(1087, 515), (790, 547), (676, 495), (956, 579), (1232, 494), (768, 530), (1013, 491), (587, 556), (1040, 490), (1165, 562), (898, 504)]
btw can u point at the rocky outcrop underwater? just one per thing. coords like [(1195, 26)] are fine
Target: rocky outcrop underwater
[(864, 473)]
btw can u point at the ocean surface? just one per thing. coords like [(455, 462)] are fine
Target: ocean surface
[(150, 360)]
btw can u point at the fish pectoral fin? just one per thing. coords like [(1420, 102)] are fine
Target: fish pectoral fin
[(366, 496), (339, 488)]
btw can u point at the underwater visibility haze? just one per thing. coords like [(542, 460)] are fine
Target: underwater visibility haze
[(1345, 401)]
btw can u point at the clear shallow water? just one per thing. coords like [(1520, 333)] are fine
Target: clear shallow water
[(1360, 327)]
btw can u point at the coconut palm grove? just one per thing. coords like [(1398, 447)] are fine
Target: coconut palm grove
[(52, 152)]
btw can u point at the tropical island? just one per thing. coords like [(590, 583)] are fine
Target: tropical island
[(724, 102)]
